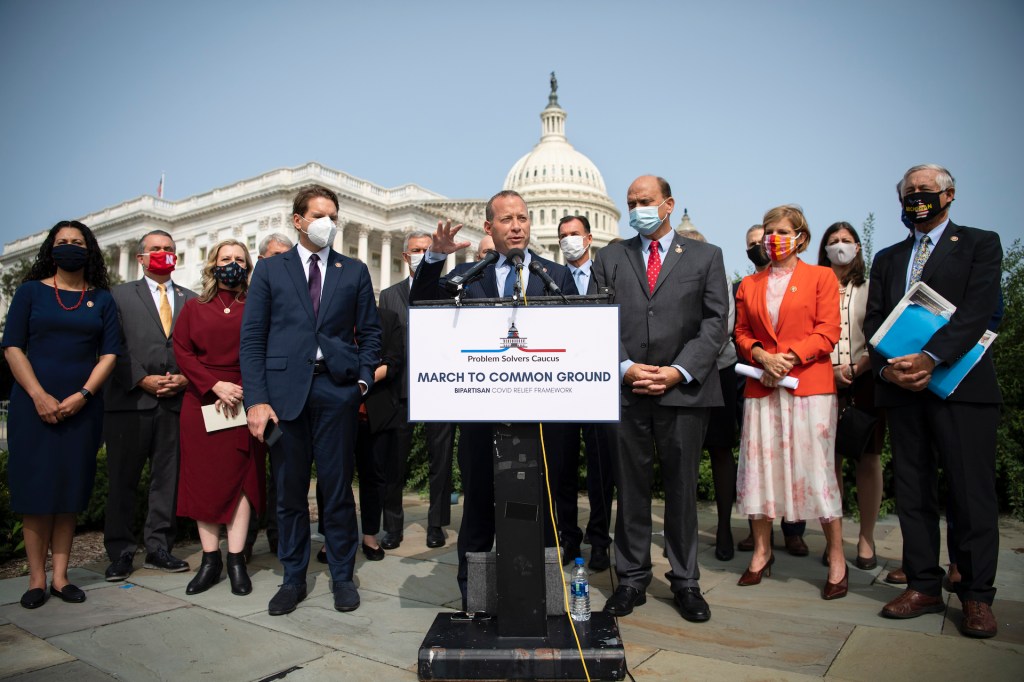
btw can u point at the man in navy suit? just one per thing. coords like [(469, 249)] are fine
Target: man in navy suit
[(311, 339), (958, 433), (507, 221)]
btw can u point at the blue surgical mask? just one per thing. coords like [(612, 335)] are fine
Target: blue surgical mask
[(645, 219)]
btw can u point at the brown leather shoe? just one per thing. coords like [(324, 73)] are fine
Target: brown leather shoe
[(912, 604), (978, 620), (796, 546), (746, 544), (896, 577), (836, 590)]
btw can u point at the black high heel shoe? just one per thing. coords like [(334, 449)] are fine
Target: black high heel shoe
[(723, 544), (208, 573), (238, 576), (754, 577)]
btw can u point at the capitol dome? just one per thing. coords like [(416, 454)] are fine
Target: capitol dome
[(557, 181)]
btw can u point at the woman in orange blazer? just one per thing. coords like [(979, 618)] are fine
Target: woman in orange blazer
[(787, 322)]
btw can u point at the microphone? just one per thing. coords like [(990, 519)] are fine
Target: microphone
[(456, 283), (516, 257), (549, 284)]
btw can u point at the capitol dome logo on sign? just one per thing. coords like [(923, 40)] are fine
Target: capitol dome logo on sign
[(512, 340)]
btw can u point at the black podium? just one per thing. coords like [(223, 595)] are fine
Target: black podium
[(520, 641)]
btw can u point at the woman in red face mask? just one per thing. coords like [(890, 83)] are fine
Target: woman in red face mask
[(787, 323)]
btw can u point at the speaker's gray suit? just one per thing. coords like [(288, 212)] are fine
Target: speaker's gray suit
[(682, 323)]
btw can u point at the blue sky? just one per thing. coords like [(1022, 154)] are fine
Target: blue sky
[(740, 105)]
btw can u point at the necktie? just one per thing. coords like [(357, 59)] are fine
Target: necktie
[(581, 282), (165, 310), (510, 280), (920, 258), (314, 283), (653, 265)]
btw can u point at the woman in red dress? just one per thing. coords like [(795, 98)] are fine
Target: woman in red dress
[(222, 471)]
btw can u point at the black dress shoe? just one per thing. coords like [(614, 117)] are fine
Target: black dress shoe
[(321, 556), (120, 569), (71, 594), (237, 575), (34, 598), (599, 560), (435, 537), (569, 553), (208, 574), (286, 599), (692, 605), (165, 561), (391, 540), (373, 553), (346, 596), (624, 600)]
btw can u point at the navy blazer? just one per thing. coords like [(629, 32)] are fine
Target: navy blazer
[(426, 287), (280, 334), (965, 267)]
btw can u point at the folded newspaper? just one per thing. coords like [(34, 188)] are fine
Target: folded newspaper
[(920, 313)]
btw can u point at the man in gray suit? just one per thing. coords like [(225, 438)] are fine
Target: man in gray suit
[(393, 449), (673, 304), (143, 401)]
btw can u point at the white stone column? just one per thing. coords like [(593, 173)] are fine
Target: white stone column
[(339, 240), (469, 254), (450, 262), (385, 261), (364, 241), (122, 262)]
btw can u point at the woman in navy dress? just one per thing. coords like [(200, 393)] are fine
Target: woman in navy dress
[(222, 472), (61, 341)]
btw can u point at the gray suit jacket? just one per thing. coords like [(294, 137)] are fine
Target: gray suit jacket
[(146, 349), (684, 322)]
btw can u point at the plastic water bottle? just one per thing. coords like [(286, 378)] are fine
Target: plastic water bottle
[(579, 603)]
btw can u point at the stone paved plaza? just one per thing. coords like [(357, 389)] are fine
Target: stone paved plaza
[(148, 629)]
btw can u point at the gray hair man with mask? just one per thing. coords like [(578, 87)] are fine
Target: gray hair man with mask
[(392, 447)]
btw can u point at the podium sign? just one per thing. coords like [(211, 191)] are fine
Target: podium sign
[(521, 364)]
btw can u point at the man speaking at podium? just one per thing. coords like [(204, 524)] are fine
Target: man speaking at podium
[(507, 222)]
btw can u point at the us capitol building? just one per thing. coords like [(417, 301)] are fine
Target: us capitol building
[(554, 178)]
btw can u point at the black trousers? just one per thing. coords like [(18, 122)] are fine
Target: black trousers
[(133, 437), (391, 450), (601, 446), (440, 446), (961, 438)]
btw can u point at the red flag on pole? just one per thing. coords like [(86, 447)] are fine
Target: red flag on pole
[(160, 187)]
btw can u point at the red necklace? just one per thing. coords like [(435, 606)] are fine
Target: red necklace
[(56, 294)]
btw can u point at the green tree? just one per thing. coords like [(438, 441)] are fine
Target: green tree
[(1009, 361), (867, 238)]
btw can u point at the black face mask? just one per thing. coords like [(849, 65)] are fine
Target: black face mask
[(230, 275), (70, 257), (921, 207), (758, 256)]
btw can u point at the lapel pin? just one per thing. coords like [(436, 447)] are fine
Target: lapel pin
[(793, 289), (954, 238), (180, 294), (88, 304), (337, 265), (679, 249)]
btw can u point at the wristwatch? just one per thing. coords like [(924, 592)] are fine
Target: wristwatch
[(86, 393)]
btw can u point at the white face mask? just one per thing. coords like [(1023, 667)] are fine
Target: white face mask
[(321, 231), (572, 247), (841, 253), (414, 261)]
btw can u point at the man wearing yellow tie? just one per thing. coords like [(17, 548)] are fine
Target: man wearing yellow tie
[(143, 401)]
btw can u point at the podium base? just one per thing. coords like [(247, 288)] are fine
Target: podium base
[(473, 650)]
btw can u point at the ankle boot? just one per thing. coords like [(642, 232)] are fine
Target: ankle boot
[(237, 575), (208, 574)]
